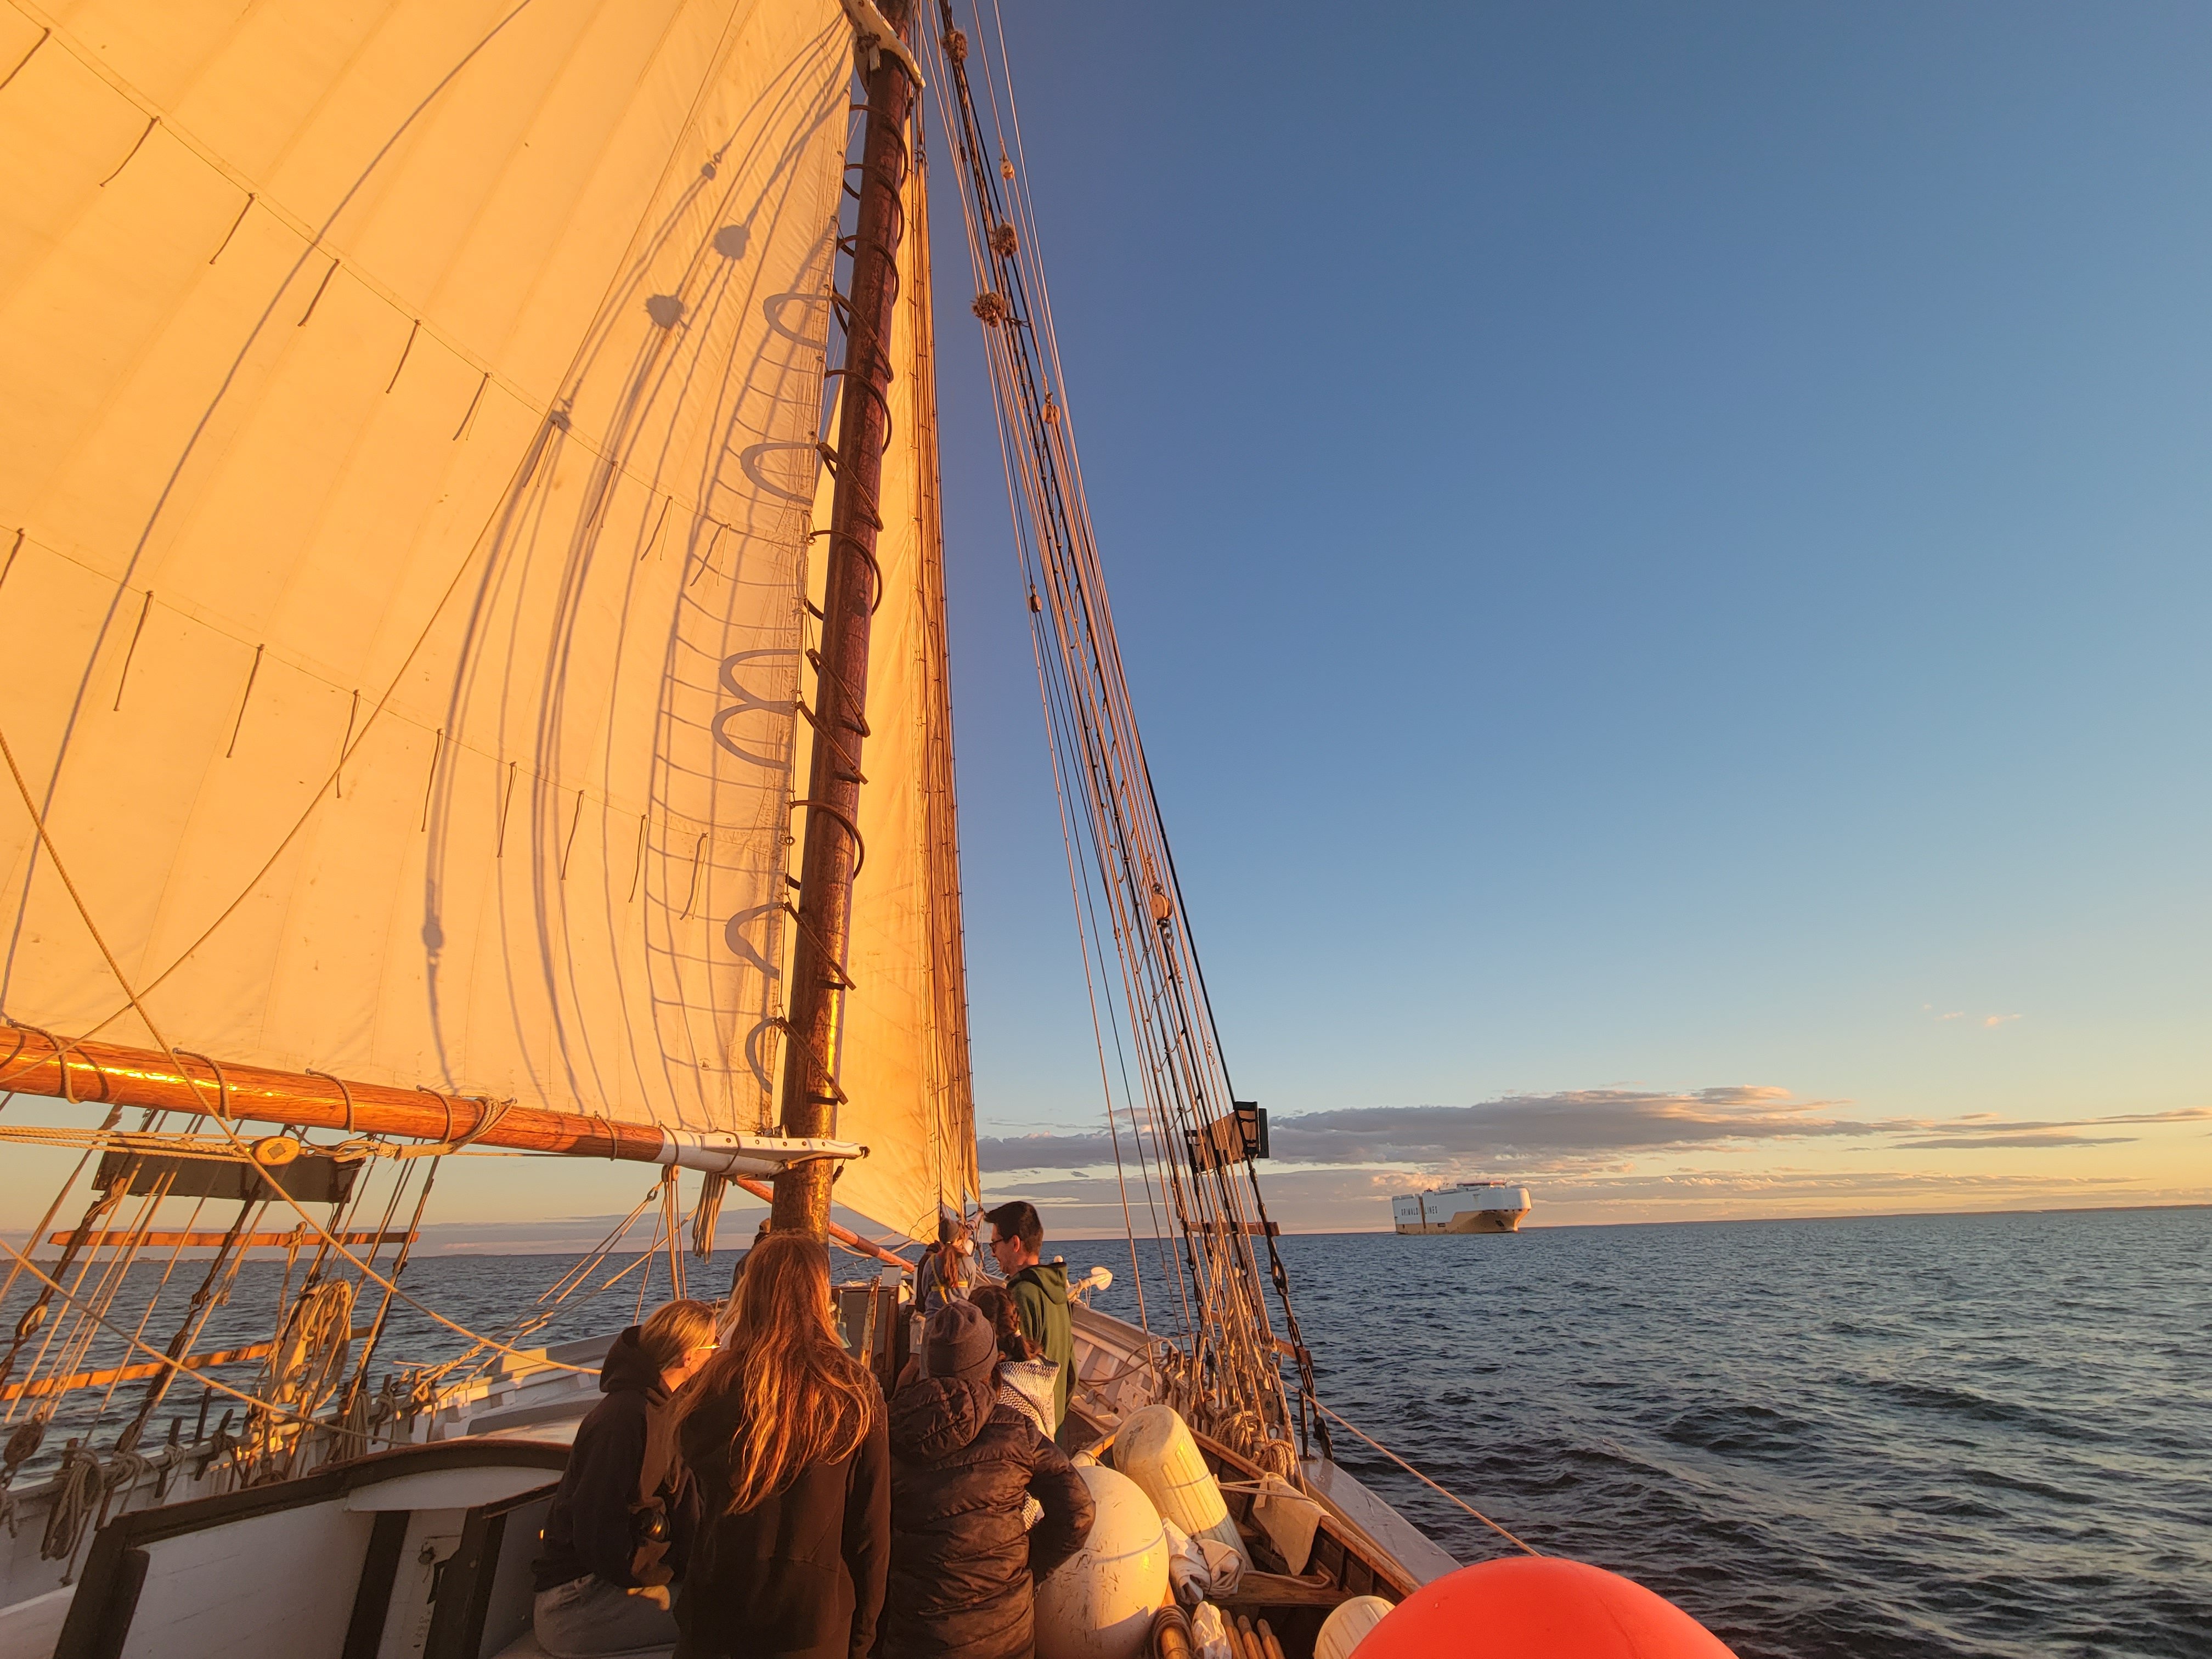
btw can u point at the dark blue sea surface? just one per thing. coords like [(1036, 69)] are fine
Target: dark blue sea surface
[(1923, 1436), (1926, 1436)]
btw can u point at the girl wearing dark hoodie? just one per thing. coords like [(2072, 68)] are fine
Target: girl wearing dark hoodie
[(965, 1460), (784, 1433), (623, 1515)]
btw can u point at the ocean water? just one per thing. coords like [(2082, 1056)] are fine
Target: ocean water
[(1926, 1436), (1984, 1436)]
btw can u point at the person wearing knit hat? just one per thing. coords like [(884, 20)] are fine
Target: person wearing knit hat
[(965, 1559), (959, 1344)]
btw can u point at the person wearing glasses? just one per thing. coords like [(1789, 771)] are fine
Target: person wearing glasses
[(1039, 1290), (623, 1516)]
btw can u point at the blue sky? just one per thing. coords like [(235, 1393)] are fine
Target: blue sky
[(1659, 549)]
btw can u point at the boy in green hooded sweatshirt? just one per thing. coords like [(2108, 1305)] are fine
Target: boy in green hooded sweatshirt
[(1040, 1290)]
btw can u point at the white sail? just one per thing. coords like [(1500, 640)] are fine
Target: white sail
[(431, 384), (903, 1039)]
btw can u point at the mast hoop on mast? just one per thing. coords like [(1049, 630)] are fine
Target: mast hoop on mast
[(859, 846), (867, 384), (875, 570)]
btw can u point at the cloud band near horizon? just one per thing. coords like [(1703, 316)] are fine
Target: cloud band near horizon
[(1582, 1124)]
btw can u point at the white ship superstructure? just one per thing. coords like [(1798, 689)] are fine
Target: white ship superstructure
[(1473, 1206)]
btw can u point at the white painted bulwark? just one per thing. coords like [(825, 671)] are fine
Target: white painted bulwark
[(445, 1489), (277, 1585), (28, 1629)]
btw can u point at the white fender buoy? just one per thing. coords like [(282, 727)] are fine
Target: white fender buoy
[(1346, 1624), (1154, 1448), (1098, 1603)]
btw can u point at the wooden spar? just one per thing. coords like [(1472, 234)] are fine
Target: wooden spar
[(38, 1388), (297, 1239), (851, 589), (851, 1240), (117, 1076), (32, 1063)]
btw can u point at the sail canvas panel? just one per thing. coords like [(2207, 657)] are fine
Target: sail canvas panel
[(951, 1080), (405, 483)]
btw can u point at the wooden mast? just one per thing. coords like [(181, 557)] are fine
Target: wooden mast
[(831, 850)]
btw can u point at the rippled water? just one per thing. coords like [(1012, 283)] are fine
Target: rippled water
[(1957, 1435), (1937, 1436)]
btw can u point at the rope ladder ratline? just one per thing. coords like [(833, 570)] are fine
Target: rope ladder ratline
[(23, 1261), (1098, 757), (1107, 762), (1099, 763), (1065, 752)]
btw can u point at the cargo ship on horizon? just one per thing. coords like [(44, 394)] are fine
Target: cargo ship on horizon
[(1473, 1206)]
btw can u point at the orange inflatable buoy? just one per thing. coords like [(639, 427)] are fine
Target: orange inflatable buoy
[(1527, 1605)]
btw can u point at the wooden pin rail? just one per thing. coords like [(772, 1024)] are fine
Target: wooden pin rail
[(297, 1239), (41, 1387)]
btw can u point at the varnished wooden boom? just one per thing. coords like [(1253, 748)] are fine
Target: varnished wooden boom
[(299, 1238), (31, 1063)]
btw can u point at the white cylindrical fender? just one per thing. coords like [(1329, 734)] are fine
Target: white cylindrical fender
[(1098, 1603), (1154, 1448), (1344, 1629)]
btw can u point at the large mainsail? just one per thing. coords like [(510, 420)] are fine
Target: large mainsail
[(404, 488)]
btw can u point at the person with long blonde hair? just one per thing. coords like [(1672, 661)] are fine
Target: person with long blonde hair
[(624, 1515), (784, 1433)]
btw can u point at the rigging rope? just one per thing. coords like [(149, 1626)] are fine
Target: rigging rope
[(1099, 759), (77, 1494), (244, 1152), (1426, 1481), (24, 1261)]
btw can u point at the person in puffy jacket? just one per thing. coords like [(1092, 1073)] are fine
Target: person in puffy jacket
[(964, 1460), (784, 1433), (623, 1515)]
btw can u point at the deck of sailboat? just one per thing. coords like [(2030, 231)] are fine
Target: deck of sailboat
[(465, 1498)]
